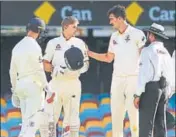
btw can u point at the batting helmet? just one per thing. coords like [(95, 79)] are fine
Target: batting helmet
[(74, 58), (36, 25)]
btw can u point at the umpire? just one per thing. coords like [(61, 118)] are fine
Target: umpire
[(154, 82)]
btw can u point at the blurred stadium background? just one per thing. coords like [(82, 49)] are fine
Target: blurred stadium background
[(95, 31)]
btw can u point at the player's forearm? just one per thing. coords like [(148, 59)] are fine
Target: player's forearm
[(47, 66), (100, 57)]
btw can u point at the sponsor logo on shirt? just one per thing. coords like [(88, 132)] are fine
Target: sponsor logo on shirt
[(31, 124), (58, 47), (114, 42), (160, 51), (127, 38), (140, 64)]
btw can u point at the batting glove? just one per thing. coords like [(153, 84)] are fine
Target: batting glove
[(50, 95), (59, 70), (15, 100)]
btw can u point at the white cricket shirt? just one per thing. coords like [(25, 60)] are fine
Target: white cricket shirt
[(26, 61), (56, 48), (154, 61), (126, 49), (173, 62)]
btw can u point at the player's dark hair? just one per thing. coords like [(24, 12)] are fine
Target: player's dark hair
[(118, 11)]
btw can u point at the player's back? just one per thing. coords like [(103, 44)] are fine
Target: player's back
[(26, 55), (161, 60)]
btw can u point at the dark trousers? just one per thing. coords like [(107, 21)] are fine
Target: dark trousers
[(152, 111)]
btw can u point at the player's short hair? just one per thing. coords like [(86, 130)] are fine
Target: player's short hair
[(68, 21), (118, 11)]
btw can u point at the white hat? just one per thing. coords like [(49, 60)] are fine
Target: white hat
[(157, 30)]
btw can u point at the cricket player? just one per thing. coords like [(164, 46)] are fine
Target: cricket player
[(173, 61), (124, 48), (65, 82), (154, 84), (28, 80)]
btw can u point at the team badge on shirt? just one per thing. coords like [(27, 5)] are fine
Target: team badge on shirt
[(160, 51), (127, 38), (31, 124), (58, 47), (114, 42)]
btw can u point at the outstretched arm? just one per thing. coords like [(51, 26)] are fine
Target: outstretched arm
[(104, 57)]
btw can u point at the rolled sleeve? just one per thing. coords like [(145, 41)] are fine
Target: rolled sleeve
[(111, 45), (49, 52), (86, 59), (141, 39)]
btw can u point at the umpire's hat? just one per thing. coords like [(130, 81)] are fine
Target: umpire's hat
[(157, 30), (36, 25)]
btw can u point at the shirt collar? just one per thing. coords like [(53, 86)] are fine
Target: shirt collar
[(28, 37), (126, 31), (157, 42), (31, 39), (62, 36)]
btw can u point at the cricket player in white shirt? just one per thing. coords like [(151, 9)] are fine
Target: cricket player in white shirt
[(124, 48), (154, 84), (65, 82), (173, 62), (28, 81)]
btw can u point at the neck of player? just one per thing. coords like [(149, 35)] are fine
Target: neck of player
[(66, 35), (32, 34), (123, 27)]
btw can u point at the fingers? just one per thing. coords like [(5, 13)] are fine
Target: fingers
[(51, 99), (89, 53), (63, 67), (136, 103)]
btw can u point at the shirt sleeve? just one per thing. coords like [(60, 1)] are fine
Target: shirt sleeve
[(141, 39), (13, 72), (49, 51), (145, 71), (111, 45), (168, 70), (173, 63), (86, 59), (173, 60), (40, 74)]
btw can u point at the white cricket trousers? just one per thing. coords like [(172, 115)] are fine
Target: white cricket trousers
[(122, 91), (68, 94), (31, 104)]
